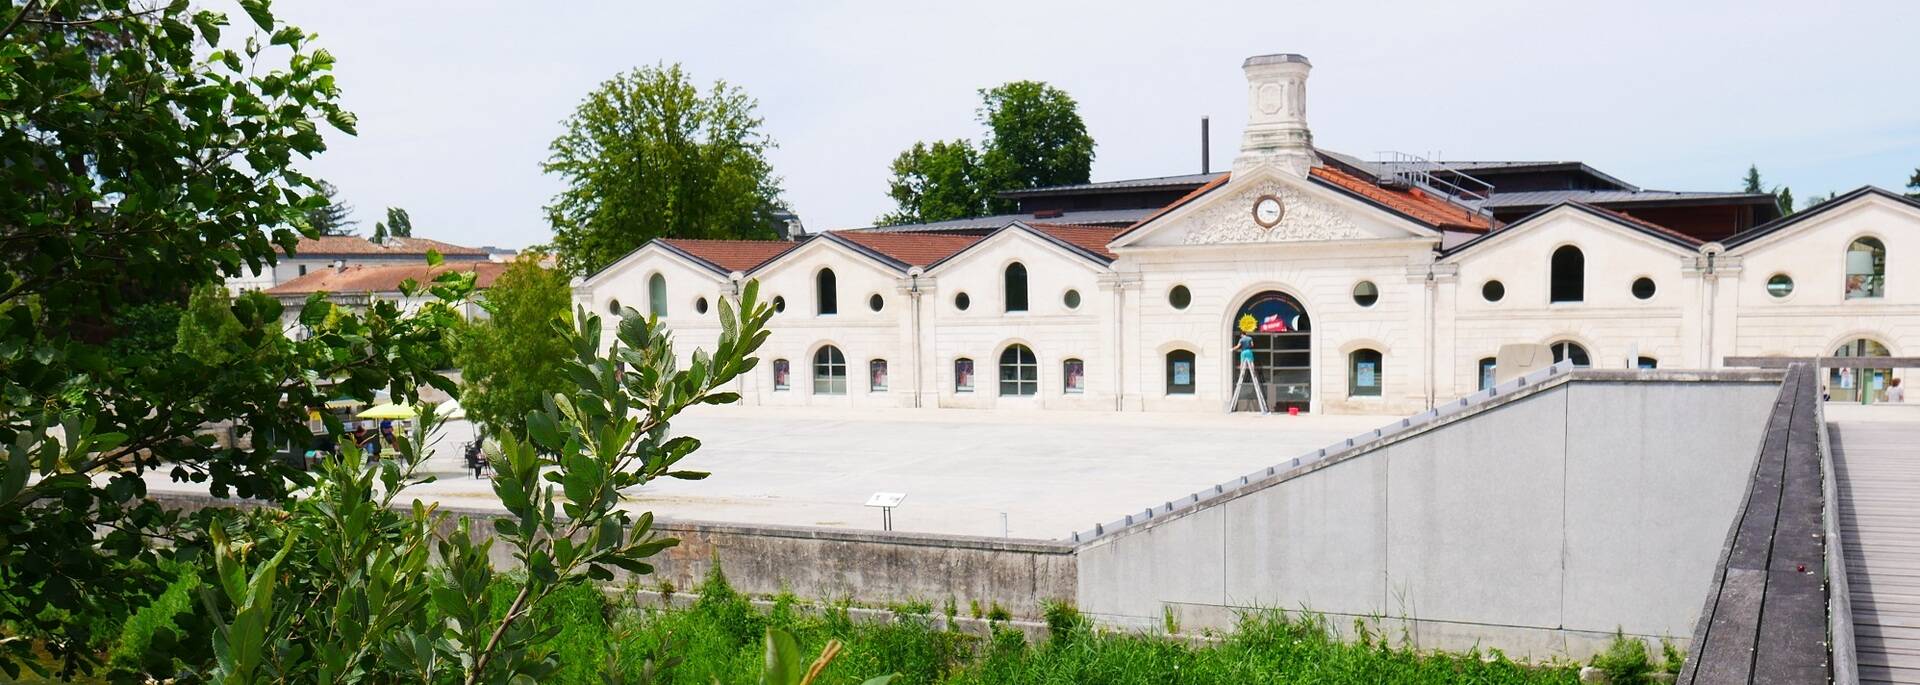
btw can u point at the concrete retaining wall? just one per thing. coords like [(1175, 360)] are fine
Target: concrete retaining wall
[(870, 567), (1538, 524)]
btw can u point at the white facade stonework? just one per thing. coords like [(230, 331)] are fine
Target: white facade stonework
[(1429, 319)]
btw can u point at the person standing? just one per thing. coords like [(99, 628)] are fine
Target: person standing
[(1894, 392)]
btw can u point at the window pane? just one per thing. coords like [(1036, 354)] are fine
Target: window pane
[(877, 375), (1569, 278), (1486, 373), (1363, 373), (1019, 372), (829, 371), (1074, 375), (657, 295), (1180, 372), (1016, 287), (1866, 269), (963, 375), (827, 292), (781, 375)]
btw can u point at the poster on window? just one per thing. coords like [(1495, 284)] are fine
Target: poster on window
[(963, 374), (879, 373), (1076, 376), (1183, 373), (1363, 373), (780, 374)]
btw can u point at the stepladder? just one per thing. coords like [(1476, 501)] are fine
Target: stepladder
[(1245, 376)]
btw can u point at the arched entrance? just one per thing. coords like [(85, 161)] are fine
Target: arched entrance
[(1859, 385), (1282, 352)]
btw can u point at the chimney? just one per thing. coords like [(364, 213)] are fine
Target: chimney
[(1206, 164), (1276, 130)]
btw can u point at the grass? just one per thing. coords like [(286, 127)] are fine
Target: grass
[(719, 638)]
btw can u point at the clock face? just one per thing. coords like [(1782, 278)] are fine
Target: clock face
[(1267, 211)]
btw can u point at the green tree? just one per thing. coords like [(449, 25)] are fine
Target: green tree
[(1036, 139), (1913, 184), (648, 155), (1818, 200), (1752, 184), (510, 362), (334, 217), (936, 182), (142, 156), (397, 225), (1784, 198), (208, 329)]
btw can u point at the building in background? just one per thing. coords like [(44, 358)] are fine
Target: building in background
[(356, 287), (315, 254), (1379, 286)]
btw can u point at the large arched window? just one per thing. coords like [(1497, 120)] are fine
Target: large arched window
[(657, 295), (1568, 282), (1565, 350), (826, 293), (1016, 287), (1866, 269), (1180, 372), (1019, 372), (1859, 385), (1363, 373), (829, 371)]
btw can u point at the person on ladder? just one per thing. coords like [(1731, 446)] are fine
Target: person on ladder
[(1247, 373)]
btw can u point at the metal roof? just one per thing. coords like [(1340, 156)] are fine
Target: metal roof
[(1086, 217), (1188, 181), (1542, 198)]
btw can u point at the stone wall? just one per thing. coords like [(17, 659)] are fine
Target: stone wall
[(870, 567)]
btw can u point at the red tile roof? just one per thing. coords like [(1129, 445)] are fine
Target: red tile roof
[(1414, 202), (327, 245), (915, 249), (1189, 197), (383, 279), (732, 255), (1090, 238)]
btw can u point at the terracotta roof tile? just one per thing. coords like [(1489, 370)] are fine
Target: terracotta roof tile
[(915, 249), (1090, 238), (383, 279), (1414, 203), (732, 255), (358, 246)]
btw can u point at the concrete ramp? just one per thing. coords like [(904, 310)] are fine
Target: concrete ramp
[(1537, 519)]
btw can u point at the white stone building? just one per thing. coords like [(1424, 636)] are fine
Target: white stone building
[(1377, 287), (340, 251)]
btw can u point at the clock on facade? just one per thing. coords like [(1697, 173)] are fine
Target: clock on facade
[(1267, 211)]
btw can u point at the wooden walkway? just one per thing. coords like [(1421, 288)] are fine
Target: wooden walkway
[(1877, 467)]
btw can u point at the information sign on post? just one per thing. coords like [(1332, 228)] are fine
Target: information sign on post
[(886, 501)]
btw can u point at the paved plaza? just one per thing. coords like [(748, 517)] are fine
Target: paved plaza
[(1050, 473)]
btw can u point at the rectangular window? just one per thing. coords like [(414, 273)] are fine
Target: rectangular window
[(963, 375), (877, 375), (781, 375), (1180, 372), (303, 269), (1486, 373), (1363, 374), (1074, 373)]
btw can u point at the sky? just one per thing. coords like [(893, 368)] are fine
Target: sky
[(457, 101)]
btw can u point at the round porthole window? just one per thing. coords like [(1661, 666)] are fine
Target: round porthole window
[(1365, 293), (876, 303), (1493, 291), (700, 305), (779, 304), (1179, 297), (613, 306), (1643, 288), (962, 302), (1781, 285), (1071, 299)]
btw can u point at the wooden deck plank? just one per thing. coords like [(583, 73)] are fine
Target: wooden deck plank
[(1878, 470)]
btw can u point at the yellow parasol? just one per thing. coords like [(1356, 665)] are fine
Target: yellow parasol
[(389, 411)]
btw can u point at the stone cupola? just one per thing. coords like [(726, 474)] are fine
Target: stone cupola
[(1277, 132)]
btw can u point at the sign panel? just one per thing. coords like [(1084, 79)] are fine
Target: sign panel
[(886, 499)]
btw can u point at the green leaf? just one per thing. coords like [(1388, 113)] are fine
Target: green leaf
[(783, 659), (257, 9), (434, 258), (882, 680)]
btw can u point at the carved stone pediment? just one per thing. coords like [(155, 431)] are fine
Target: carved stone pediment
[(1306, 217)]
